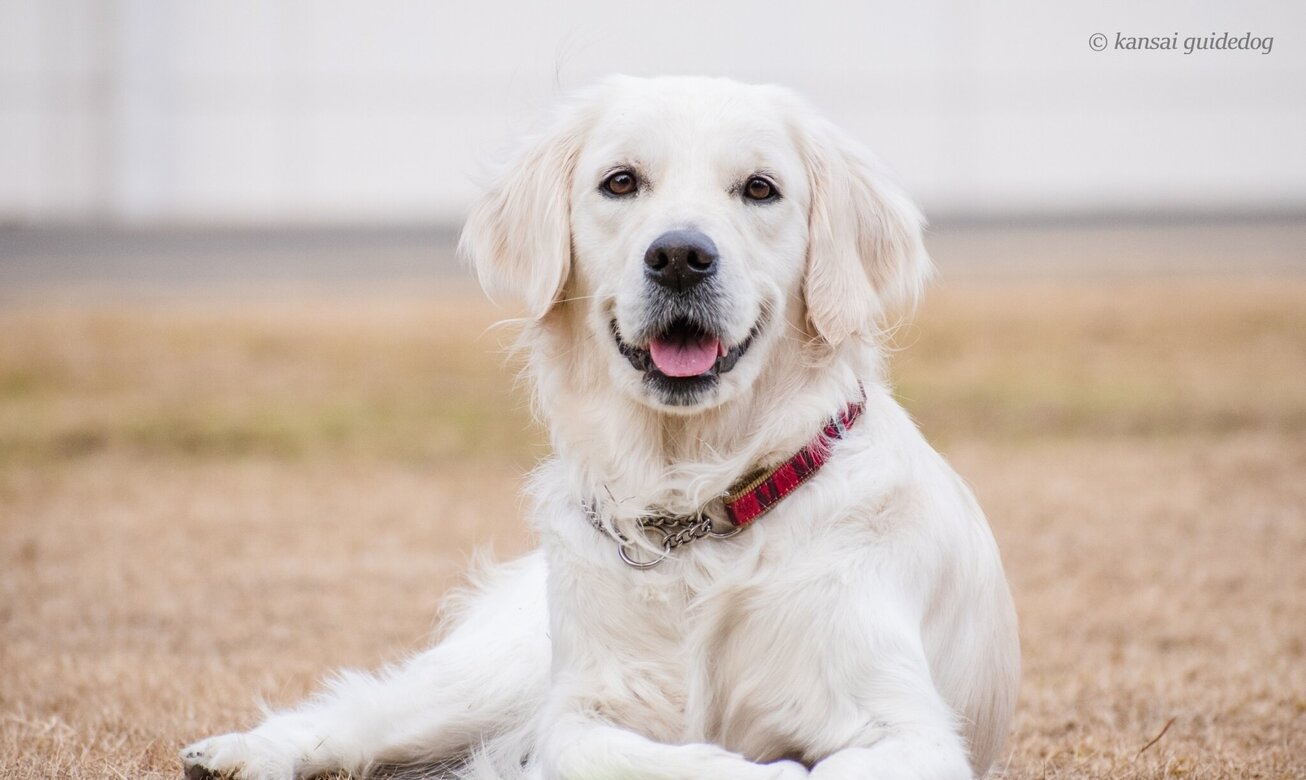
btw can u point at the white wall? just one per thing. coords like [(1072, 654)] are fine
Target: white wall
[(272, 110)]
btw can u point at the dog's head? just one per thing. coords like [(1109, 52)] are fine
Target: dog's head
[(700, 225)]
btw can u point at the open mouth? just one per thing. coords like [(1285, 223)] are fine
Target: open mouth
[(683, 352)]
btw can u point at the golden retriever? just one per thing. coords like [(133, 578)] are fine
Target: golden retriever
[(752, 564)]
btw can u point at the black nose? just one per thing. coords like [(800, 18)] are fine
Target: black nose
[(680, 259)]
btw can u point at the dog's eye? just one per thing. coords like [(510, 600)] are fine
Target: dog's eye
[(760, 189), (620, 183)]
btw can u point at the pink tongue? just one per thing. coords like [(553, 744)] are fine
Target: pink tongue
[(688, 357)]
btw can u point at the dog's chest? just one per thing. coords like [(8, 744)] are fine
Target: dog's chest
[(740, 662), (764, 691)]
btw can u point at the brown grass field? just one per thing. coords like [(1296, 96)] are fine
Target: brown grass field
[(208, 501)]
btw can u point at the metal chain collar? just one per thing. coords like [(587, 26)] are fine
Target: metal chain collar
[(674, 531)]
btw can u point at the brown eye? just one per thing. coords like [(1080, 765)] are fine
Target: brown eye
[(620, 183), (759, 188)]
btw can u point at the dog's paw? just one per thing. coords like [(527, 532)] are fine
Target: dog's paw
[(789, 770), (237, 757), (898, 759)]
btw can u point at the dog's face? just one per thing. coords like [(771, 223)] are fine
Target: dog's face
[(689, 229), (687, 219)]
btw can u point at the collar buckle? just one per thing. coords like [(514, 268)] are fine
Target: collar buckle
[(714, 513)]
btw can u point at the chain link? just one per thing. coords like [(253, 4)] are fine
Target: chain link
[(676, 531), (688, 533)]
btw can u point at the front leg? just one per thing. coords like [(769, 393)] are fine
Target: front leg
[(909, 732), (872, 709), (488, 676), (577, 747)]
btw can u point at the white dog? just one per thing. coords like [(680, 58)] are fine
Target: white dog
[(752, 564)]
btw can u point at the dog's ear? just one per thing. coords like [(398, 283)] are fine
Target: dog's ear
[(518, 235), (865, 255)]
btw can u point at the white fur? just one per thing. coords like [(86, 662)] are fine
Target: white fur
[(862, 629)]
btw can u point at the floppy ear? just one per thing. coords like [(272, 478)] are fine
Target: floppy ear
[(518, 235), (865, 254)]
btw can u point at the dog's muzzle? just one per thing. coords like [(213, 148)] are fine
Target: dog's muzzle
[(682, 350), (679, 344)]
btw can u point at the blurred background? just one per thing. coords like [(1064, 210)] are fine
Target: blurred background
[(254, 416), (320, 112)]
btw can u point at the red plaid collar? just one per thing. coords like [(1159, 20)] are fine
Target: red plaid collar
[(759, 492), (750, 498)]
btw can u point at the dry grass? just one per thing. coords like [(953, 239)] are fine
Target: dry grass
[(205, 503)]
